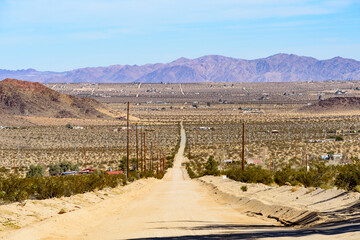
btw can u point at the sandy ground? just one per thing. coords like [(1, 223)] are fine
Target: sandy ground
[(176, 208)]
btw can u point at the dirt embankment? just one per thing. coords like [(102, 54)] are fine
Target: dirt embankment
[(18, 215), (289, 205)]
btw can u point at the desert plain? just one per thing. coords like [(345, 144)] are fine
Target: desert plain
[(298, 124)]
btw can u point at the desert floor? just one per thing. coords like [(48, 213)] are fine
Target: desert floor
[(172, 208)]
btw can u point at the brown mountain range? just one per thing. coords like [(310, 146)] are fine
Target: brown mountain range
[(213, 68), (34, 99)]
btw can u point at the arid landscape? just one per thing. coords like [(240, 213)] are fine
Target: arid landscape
[(150, 119), (202, 193)]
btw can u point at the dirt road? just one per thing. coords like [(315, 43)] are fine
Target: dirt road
[(173, 208)]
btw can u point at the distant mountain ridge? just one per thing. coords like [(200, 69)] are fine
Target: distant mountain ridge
[(211, 68)]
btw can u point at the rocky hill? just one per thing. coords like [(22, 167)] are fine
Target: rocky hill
[(338, 104), (276, 68), (34, 99)]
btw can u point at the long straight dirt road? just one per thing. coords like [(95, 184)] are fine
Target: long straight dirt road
[(172, 208)]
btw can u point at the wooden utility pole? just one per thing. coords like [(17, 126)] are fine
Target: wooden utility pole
[(190, 142), (144, 152), (75, 143), (18, 152), (141, 150), (107, 143), (243, 149), (45, 148), (137, 149), (164, 161), (161, 167), (14, 164), (151, 157), (85, 156), (306, 157), (127, 140)]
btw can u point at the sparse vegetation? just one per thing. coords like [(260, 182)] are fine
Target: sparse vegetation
[(15, 188)]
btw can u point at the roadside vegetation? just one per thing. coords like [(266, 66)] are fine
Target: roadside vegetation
[(46, 179), (345, 177)]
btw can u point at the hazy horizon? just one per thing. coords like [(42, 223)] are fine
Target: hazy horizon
[(65, 35)]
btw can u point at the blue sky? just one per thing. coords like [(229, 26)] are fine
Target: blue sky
[(60, 35)]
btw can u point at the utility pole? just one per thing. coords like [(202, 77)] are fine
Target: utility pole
[(165, 143), (164, 161), (127, 140), (289, 133), (144, 152), (14, 163), (306, 157), (161, 167), (157, 167), (75, 143), (107, 143), (45, 148), (151, 157), (189, 142), (85, 156), (228, 136), (18, 152), (137, 149), (243, 149), (141, 150)]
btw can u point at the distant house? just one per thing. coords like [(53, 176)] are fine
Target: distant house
[(274, 131), (325, 157), (114, 172), (228, 161), (340, 92), (330, 140)]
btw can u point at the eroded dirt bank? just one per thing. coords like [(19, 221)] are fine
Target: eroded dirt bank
[(292, 206)]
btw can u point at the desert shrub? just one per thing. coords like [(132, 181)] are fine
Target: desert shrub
[(69, 126), (123, 163), (348, 177), (318, 174), (57, 169), (211, 167), (54, 169), (191, 173), (339, 138), (35, 171), (251, 174), (285, 175), (14, 188), (4, 170), (244, 188)]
